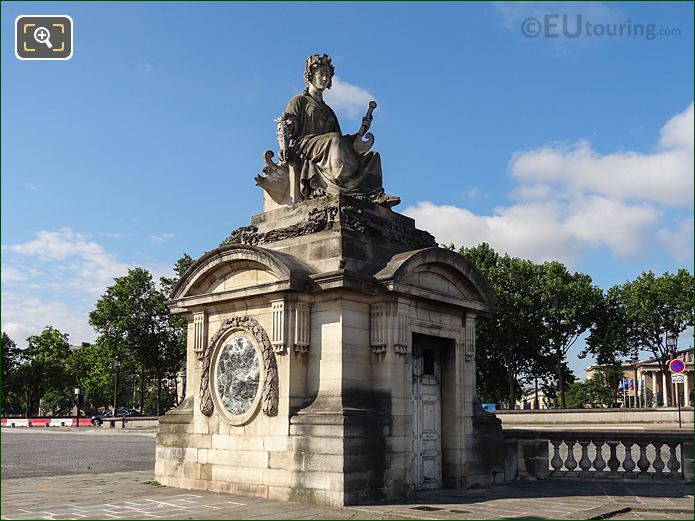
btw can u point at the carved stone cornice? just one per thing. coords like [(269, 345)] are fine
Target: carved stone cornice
[(347, 217)]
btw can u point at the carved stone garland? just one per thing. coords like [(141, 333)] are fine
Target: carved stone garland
[(269, 397), (325, 217)]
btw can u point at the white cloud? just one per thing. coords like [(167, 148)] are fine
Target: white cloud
[(678, 132), (347, 98), (679, 241), (511, 14), (92, 267), (664, 176), (31, 187), (56, 280), (27, 315), (158, 239), (531, 192), (475, 193), (12, 275), (574, 200), (532, 231), (596, 220), (111, 235)]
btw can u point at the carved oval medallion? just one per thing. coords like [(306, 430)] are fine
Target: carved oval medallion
[(237, 375), (210, 398)]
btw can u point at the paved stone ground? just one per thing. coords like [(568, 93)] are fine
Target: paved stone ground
[(114, 494), (58, 451), (129, 495)]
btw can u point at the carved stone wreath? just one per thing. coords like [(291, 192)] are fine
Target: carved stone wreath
[(269, 396)]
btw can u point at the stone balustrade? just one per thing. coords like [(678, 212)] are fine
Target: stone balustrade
[(598, 455)]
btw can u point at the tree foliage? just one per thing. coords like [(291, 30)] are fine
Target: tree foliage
[(38, 376), (133, 322), (657, 306), (92, 369), (514, 337), (638, 315), (542, 310), (587, 394), (570, 304), (179, 322), (11, 358)]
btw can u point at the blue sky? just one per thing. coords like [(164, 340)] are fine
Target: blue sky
[(145, 144)]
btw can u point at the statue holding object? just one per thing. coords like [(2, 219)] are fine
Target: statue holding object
[(315, 158)]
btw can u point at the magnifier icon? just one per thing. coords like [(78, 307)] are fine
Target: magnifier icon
[(43, 35)]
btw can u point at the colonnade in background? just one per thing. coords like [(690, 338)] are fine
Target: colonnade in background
[(652, 393)]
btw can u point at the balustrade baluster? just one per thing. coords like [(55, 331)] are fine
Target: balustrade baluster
[(585, 462), (628, 462), (556, 462), (613, 461), (643, 463), (599, 463), (658, 463), (673, 464), (570, 462), (585, 458)]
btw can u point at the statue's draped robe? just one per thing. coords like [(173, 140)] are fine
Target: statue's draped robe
[(325, 158)]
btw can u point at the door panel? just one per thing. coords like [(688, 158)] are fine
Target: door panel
[(427, 422)]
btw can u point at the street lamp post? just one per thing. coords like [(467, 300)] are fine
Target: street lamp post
[(636, 387), (77, 403), (116, 366), (671, 342)]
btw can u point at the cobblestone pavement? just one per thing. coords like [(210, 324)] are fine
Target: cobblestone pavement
[(128, 495)]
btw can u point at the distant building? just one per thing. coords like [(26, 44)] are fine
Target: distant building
[(76, 347), (644, 382), (533, 400)]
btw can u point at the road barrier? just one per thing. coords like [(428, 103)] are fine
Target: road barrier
[(44, 422), (134, 422)]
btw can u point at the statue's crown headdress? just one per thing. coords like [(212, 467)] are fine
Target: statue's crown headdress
[(315, 61)]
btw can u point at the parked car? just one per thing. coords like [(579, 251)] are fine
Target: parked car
[(120, 413)]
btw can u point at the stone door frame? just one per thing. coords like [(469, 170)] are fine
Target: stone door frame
[(452, 396)]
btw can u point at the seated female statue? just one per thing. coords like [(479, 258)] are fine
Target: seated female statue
[(311, 141)]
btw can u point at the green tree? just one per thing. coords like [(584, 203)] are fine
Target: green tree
[(609, 339), (11, 358), (592, 393), (513, 337), (179, 322), (181, 266), (570, 304), (133, 320), (655, 307), (29, 387), (91, 368), (43, 372)]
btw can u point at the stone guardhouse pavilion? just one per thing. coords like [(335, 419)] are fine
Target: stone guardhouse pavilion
[(331, 344)]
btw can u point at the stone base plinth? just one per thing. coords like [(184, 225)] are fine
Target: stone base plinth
[(331, 295)]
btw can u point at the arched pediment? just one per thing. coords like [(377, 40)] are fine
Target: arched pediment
[(441, 272), (235, 267)]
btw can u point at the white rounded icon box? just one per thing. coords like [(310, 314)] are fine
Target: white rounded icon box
[(27, 42)]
